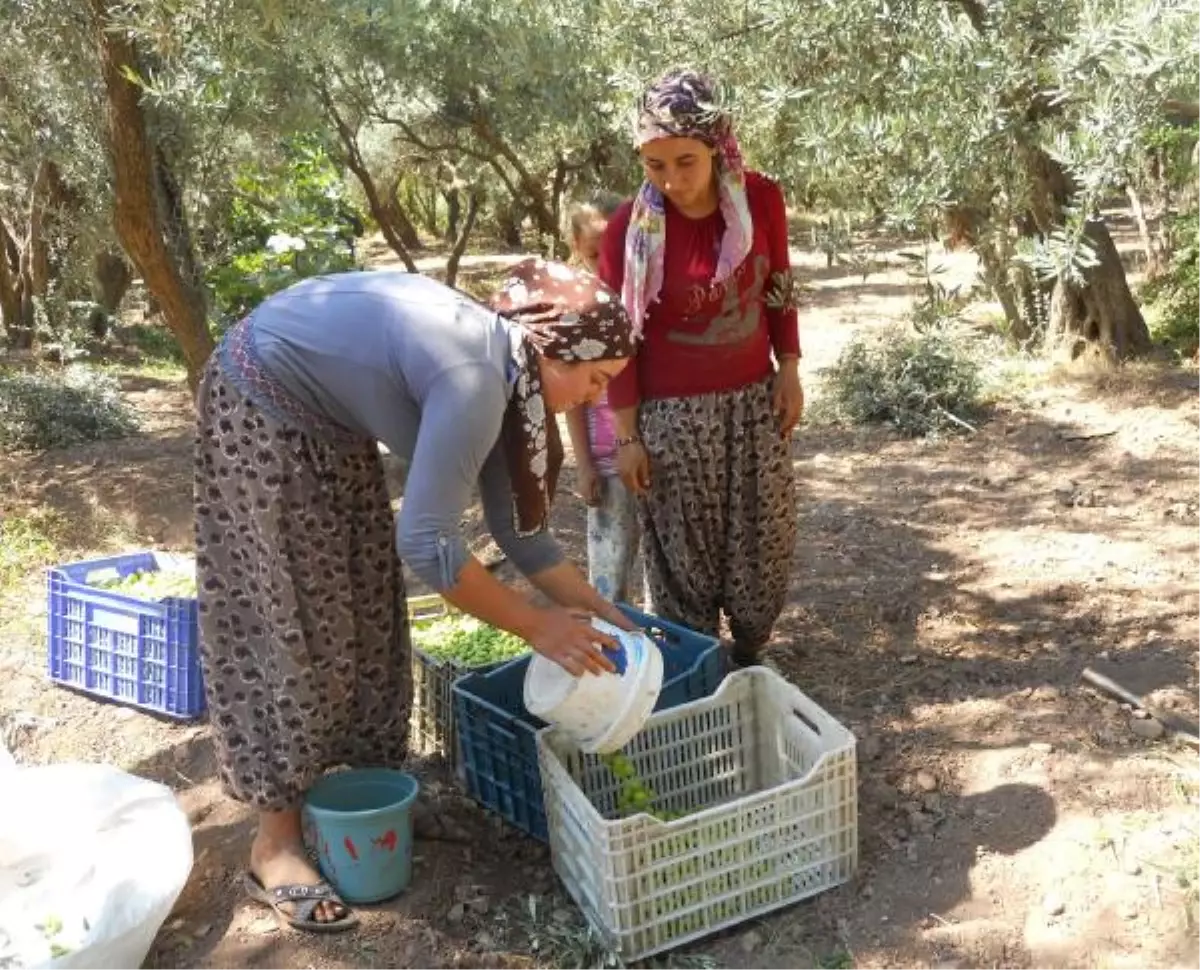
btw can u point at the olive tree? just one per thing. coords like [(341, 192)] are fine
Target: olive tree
[(55, 202), (1007, 123)]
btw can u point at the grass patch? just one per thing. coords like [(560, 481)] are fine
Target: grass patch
[(161, 371), (1175, 326), (1182, 861), (1188, 876), (837, 960), (33, 538), (145, 351), (1171, 300), (30, 541), (1009, 374), (152, 343)]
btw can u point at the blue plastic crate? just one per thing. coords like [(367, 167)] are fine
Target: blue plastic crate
[(130, 650), (497, 735)]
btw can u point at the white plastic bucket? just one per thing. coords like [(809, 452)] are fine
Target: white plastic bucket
[(602, 711)]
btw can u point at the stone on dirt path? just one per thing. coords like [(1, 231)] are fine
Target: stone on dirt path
[(1149, 730)]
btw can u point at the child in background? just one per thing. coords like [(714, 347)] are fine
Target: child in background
[(613, 532)]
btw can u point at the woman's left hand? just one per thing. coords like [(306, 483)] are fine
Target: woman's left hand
[(787, 397), (617, 618), (568, 587)]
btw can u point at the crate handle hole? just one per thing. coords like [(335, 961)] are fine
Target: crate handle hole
[(663, 637), (804, 719)]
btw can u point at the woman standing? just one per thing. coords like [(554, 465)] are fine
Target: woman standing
[(303, 622), (704, 416)]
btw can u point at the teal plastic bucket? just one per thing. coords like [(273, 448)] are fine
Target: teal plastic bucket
[(360, 824)]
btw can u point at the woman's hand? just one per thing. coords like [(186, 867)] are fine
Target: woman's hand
[(567, 586), (787, 396), (588, 481), (608, 611), (633, 464), (585, 471), (569, 639)]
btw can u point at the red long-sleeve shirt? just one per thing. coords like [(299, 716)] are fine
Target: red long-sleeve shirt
[(699, 338)]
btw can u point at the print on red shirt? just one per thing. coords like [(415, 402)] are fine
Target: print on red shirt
[(739, 313)]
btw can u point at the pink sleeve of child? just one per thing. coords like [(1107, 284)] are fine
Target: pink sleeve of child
[(602, 436)]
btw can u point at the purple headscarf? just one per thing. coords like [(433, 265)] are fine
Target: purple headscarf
[(683, 104)]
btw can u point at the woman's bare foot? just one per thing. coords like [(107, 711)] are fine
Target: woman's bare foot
[(277, 858)]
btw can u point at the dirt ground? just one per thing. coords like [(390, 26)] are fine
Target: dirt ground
[(946, 598)]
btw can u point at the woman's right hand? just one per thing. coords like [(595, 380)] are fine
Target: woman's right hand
[(569, 639), (588, 482), (633, 464)]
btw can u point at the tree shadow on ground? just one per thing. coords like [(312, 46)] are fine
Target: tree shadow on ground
[(214, 924), (1137, 384), (865, 297), (140, 485), (1001, 821), (185, 764), (140, 382), (875, 574), (946, 598)]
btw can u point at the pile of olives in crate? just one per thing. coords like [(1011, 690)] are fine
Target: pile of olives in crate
[(152, 584), (466, 641), (676, 885)]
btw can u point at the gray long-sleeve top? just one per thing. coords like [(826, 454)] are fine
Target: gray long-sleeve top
[(412, 363)]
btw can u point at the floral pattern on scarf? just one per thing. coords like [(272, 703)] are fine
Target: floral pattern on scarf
[(683, 104), (563, 314)]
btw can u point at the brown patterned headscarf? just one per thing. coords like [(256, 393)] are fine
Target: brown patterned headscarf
[(564, 314)]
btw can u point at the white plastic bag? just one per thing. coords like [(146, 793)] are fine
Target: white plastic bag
[(92, 860)]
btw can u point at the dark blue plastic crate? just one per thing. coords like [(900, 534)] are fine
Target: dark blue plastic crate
[(120, 647), (497, 735)]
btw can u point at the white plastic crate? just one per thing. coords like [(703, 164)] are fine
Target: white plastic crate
[(769, 780)]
